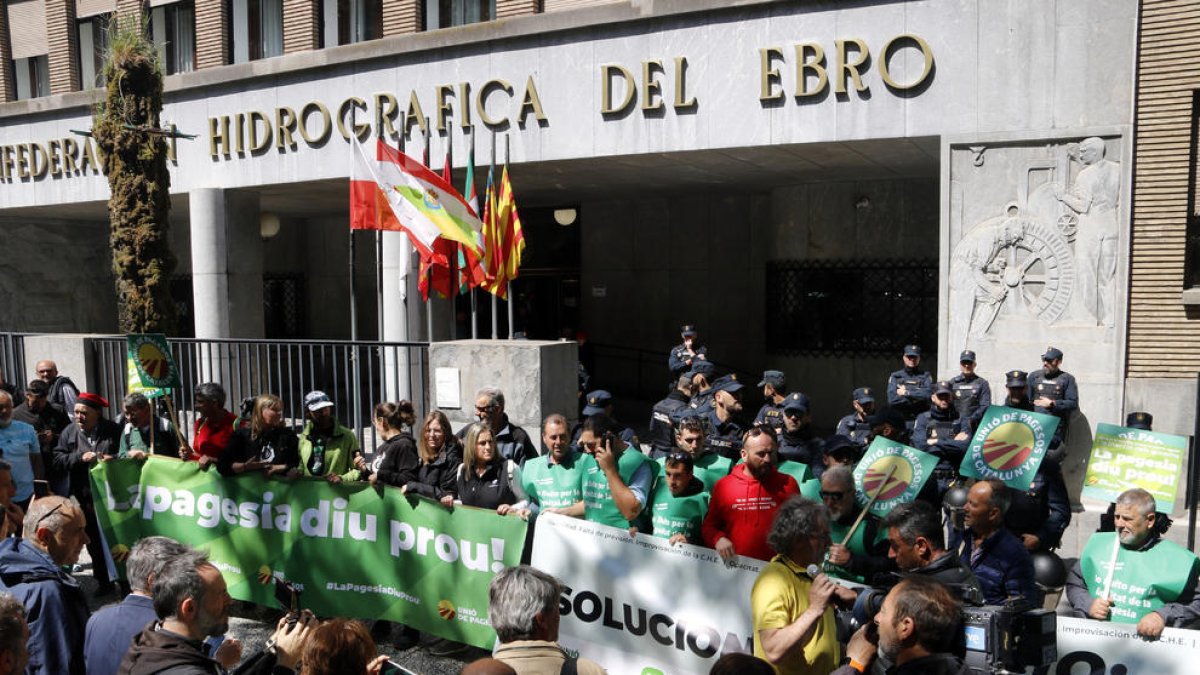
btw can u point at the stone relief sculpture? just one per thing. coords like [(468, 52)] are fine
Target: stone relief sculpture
[(1094, 197), (1050, 256)]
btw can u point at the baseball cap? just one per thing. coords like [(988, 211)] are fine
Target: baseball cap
[(1052, 354), (1139, 420), (796, 401), (841, 444), (864, 395), (728, 383), (886, 415), (687, 330), (701, 367), (967, 356), (596, 402), (38, 388), (1016, 378), (912, 350), (943, 387), (315, 400), (775, 378)]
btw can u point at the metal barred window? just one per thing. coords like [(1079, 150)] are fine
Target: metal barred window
[(1191, 267), (850, 307)]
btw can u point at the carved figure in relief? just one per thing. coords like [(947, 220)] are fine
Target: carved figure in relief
[(1094, 196), (978, 274)]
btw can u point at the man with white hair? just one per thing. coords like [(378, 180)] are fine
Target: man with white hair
[(523, 609), (512, 442)]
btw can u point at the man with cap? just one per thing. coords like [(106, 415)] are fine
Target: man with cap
[(774, 390), (941, 432), (664, 416), (725, 428), (838, 450), (972, 393), (909, 388), (683, 356), (600, 402), (46, 418), (1017, 384), (328, 449), (1140, 420), (889, 423), (87, 440), (797, 443), (854, 426), (1155, 580), (1054, 392)]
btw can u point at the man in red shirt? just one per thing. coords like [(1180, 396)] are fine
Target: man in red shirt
[(744, 503), (214, 424)]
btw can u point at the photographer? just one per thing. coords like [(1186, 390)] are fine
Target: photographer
[(192, 603), (1157, 578), (914, 626), (918, 545)]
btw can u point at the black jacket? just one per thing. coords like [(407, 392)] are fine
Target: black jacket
[(488, 491), (397, 462), (277, 445), (438, 478), (68, 454), (158, 652)]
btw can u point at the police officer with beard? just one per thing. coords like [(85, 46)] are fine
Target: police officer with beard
[(855, 426), (1054, 392), (664, 416), (796, 441), (725, 427), (972, 393)]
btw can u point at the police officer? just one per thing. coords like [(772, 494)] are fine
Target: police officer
[(837, 450), (1053, 392), (1017, 384), (725, 428), (774, 390), (662, 417), (909, 388), (1040, 515), (889, 423), (942, 432), (684, 355), (855, 426), (1140, 420), (702, 389), (972, 393), (796, 440), (600, 402)]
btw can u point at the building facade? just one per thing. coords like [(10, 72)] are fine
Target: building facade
[(813, 184)]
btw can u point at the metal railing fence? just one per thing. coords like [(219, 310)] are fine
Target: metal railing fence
[(12, 360), (355, 375)]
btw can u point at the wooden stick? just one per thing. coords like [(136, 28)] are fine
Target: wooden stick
[(175, 425), (1112, 567), (863, 514)]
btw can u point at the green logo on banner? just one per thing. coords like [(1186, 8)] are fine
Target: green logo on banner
[(1009, 445), (892, 473), (151, 355), (1127, 458)]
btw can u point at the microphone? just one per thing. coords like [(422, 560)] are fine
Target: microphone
[(813, 570)]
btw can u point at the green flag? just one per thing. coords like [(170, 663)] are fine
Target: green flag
[(151, 356), (1124, 458), (894, 472), (352, 549), (1009, 445)]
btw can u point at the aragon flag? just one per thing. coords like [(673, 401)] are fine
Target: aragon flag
[(392, 191)]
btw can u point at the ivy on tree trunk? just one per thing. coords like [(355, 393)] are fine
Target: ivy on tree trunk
[(135, 161)]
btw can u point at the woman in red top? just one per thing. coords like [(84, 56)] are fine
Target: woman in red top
[(214, 424)]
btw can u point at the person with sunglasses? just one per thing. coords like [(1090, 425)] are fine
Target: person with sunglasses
[(797, 442), (680, 501), (1053, 391), (865, 554), (512, 442)]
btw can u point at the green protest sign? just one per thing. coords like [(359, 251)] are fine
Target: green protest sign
[(352, 549), (151, 356), (1125, 458), (894, 472), (1009, 445)]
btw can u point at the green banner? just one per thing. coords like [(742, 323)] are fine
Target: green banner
[(894, 472), (151, 356), (1125, 458), (1009, 445), (354, 550)]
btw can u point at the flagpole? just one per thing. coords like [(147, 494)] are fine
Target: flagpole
[(508, 292), (495, 304), (428, 302), (453, 265), (353, 285), (471, 289)]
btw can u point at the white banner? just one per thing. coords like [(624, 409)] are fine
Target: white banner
[(1086, 647), (639, 606)]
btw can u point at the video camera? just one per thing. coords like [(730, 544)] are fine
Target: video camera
[(993, 640)]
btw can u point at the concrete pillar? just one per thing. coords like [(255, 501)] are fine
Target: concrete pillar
[(537, 377), (227, 266)]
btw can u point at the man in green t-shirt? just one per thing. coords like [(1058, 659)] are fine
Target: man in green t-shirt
[(145, 433), (617, 478), (866, 553), (1155, 581), (553, 481), (709, 467), (680, 501)]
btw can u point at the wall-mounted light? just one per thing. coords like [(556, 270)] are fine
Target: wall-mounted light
[(566, 217), (268, 225)]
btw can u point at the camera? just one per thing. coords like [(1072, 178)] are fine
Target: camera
[(992, 639)]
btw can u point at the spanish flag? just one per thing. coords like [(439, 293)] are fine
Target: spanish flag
[(504, 241)]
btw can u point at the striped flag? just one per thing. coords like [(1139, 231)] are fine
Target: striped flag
[(392, 191), (504, 240)]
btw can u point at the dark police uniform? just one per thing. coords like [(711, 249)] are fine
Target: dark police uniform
[(724, 438), (770, 414), (918, 386), (1061, 389), (663, 418), (1044, 509), (679, 359), (972, 396), (934, 433), (857, 430), (802, 446)]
